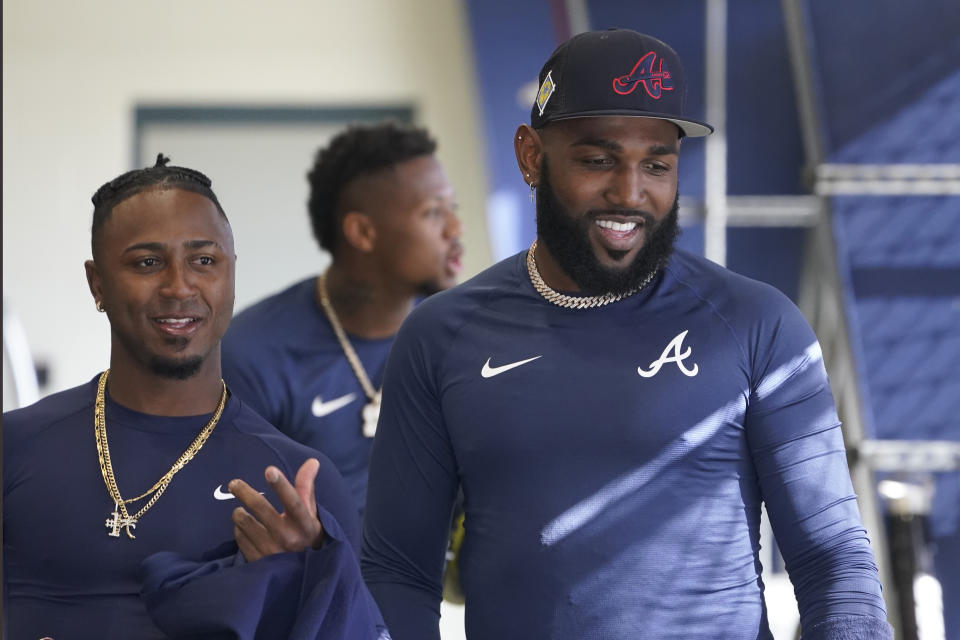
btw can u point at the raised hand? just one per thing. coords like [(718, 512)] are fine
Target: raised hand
[(261, 531)]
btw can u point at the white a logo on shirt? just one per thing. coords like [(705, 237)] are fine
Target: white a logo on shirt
[(671, 354)]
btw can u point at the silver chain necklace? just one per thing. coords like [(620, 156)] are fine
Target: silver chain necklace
[(574, 302), (371, 411)]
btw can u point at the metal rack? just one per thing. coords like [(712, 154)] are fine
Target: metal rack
[(894, 520)]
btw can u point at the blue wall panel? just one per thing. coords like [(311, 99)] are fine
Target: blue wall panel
[(874, 57)]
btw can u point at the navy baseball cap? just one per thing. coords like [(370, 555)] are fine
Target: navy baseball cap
[(617, 72)]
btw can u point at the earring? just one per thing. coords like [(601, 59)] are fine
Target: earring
[(100, 306), (533, 192)]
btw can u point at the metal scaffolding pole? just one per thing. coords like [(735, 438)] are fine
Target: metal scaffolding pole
[(821, 299), (715, 227)]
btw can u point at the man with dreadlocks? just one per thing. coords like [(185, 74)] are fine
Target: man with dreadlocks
[(115, 490), (310, 359)]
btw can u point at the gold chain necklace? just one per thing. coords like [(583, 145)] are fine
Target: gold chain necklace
[(574, 302), (121, 518), (371, 411)]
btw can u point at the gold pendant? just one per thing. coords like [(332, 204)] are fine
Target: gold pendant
[(118, 521), (371, 413)]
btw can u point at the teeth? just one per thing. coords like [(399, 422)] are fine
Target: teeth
[(175, 321), (616, 226)]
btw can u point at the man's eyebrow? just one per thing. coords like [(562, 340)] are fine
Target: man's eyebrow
[(146, 246), (159, 246), (603, 143), (200, 244), (663, 150), (610, 145)]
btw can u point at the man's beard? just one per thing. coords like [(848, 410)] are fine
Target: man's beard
[(567, 237), (176, 369)]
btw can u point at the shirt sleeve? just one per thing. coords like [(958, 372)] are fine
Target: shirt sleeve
[(799, 455), (413, 483)]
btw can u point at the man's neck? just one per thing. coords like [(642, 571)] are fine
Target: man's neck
[(367, 306), (149, 393)]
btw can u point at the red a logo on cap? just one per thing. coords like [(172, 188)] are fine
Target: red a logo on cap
[(643, 72)]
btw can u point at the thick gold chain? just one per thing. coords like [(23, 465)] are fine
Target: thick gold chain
[(348, 350), (106, 465), (574, 302)]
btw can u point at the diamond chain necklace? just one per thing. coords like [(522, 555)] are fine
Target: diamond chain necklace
[(574, 302), (371, 412), (121, 518)]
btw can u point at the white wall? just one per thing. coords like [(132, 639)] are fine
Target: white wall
[(74, 71)]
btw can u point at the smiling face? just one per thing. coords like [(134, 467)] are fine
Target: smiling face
[(607, 200), (164, 270)]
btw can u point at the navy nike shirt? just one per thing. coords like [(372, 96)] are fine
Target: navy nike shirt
[(64, 576), (282, 358), (613, 463)]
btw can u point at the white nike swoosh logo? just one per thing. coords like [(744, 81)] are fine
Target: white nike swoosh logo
[(321, 408), (224, 495), (489, 372)]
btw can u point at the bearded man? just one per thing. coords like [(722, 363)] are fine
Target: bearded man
[(614, 410)]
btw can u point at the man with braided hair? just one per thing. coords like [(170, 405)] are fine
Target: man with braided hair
[(120, 506), (310, 358)]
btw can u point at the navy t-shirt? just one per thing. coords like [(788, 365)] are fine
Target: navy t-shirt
[(282, 358), (64, 576)]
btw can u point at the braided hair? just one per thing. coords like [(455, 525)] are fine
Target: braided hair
[(358, 151), (133, 182)]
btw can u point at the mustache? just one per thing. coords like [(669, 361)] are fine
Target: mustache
[(180, 310)]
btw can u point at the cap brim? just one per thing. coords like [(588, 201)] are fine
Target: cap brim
[(690, 128)]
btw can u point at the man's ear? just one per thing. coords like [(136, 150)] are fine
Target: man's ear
[(359, 231), (94, 281), (529, 149)]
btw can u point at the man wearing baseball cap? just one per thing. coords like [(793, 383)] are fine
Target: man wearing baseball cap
[(615, 410)]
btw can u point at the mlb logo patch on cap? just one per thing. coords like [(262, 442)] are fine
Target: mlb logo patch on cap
[(546, 90)]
